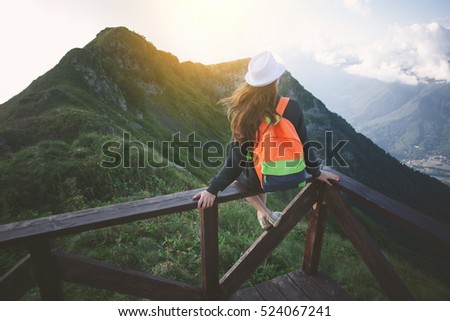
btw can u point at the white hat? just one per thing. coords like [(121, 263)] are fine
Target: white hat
[(263, 70)]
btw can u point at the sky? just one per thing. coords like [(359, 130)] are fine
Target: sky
[(404, 41)]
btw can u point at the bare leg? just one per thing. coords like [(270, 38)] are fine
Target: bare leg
[(263, 197), (259, 202)]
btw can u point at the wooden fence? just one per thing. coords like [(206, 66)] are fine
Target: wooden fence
[(47, 267)]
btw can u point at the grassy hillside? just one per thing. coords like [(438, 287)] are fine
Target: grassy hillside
[(56, 133)]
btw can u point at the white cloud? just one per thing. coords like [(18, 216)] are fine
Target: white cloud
[(410, 55), (359, 7), (413, 54)]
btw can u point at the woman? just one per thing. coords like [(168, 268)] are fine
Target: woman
[(255, 99)]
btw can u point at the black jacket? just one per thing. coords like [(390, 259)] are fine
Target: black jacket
[(236, 163)]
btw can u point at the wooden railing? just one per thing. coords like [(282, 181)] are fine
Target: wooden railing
[(47, 267)]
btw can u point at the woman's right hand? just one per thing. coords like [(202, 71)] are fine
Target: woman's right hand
[(206, 199), (326, 176)]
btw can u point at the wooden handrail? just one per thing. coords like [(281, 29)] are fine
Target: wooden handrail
[(37, 233), (404, 215), (74, 222)]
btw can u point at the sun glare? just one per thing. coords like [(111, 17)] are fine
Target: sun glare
[(201, 30)]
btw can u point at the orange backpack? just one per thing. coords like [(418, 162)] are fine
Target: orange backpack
[(278, 153)]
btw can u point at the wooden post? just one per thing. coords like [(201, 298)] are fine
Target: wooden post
[(314, 236), (209, 235), (380, 267), (45, 271)]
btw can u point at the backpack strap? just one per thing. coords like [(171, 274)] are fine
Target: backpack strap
[(281, 106), (282, 103)]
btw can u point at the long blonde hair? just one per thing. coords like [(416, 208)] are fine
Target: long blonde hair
[(247, 107)]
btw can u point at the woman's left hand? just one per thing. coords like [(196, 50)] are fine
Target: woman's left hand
[(206, 199), (326, 176)]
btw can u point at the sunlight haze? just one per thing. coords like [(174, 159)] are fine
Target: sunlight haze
[(405, 41)]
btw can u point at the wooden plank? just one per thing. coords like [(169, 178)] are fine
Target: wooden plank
[(331, 287), (269, 292), (295, 286), (289, 289), (15, 283), (74, 268), (309, 286), (45, 271), (412, 219), (209, 239), (250, 294), (235, 297), (314, 235), (367, 248), (67, 223), (268, 241)]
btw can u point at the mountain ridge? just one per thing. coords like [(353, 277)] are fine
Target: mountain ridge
[(389, 112), (119, 82)]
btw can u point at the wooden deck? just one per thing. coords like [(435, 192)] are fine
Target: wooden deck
[(294, 286)]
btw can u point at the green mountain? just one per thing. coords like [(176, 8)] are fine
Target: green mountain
[(409, 122), (52, 133), (120, 96), (416, 129)]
